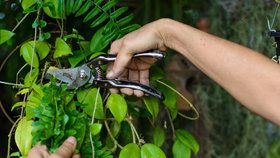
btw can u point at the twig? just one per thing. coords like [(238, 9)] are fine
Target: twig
[(92, 121), (10, 137), (171, 124), (134, 130), (112, 137), (5, 113), (19, 71), (11, 84), (25, 16), (10, 54), (185, 99)]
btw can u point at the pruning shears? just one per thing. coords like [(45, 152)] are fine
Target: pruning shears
[(92, 73)]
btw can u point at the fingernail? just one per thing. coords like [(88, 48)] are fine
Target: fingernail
[(71, 140), (110, 75)]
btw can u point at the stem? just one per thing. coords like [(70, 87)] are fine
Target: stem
[(116, 144), (134, 130), (19, 71), (171, 124), (11, 84), (6, 59), (25, 16), (10, 137), (185, 99), (92, 121), (5, 113)]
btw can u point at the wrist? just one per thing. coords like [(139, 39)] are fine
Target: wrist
[(165, 27)]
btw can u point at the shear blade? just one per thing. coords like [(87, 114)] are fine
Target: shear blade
[(72, 77)]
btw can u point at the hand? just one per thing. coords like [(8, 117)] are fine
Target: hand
[(137, 70), (66, 150)]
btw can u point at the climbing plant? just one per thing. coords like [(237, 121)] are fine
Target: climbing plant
[(104, 124)]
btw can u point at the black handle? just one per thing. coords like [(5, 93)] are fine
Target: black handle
[(104, 59), (127, 84)]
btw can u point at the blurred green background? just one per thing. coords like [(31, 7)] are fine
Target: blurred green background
[(225, 129)]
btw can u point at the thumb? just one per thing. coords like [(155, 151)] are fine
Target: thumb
[(122, 60), (67, 149)]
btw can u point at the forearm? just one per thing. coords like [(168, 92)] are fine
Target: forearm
[(247, 75)]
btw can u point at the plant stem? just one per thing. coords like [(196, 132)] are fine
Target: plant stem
[(10, 54), (116, 144), (10, 137), (185, 99), (25, 16), (5, 113), (134, 130), (171, 124), (11, 84), (92, 121)]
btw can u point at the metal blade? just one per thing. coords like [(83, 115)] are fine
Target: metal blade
[(74, 77)]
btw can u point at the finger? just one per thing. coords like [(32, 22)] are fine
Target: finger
[(120, 64), (66, 149), (115, 46), (114, 90), (144, 77), (76, 156), (126, 91), (134, 77), (38, 152)]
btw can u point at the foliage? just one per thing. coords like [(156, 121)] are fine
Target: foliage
[(101, 122)]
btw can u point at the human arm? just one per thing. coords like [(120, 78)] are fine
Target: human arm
[(247, 75)]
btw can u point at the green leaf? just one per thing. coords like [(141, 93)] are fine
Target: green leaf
[(23, 91), (125, 20), (31, 77), (158, 136), (74, 36), (170, 96), (93, 12), (69, 6), (15, 154), (119, 12), (78, 56), (95, 128), (87, 97), (99, 20), (151, 151), (186, 138), (23, 136), (27, 3), (152, 105), (5, 35), (118, 107), (130, 28), (115, 128), (43, 49), (84, 8), (27, 50), (18, 104), (130, 150), (180, 150), (61, 48), (96, 55), (55, 9), (77, 5), (98, 41)]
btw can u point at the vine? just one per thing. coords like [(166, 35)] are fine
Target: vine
[(51, 113)]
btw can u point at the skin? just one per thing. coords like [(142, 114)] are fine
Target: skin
[(66, 150), (246, 74)]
